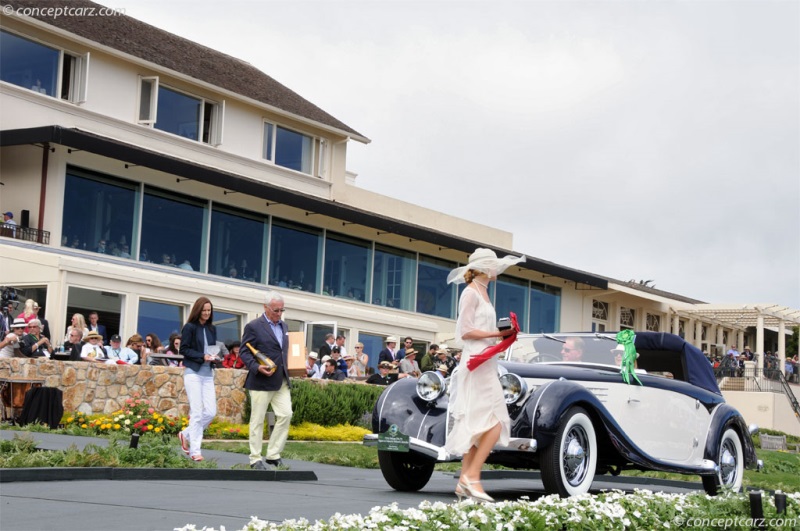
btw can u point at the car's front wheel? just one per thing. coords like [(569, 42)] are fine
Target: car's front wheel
[(569, 464), (731, 465), (405, 471)]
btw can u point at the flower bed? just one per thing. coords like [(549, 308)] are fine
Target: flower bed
[(136, 416), (642, 509)]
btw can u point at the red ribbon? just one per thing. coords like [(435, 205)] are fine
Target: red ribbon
[(489, 352)]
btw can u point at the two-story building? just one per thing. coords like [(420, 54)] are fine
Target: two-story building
[(145, 170)]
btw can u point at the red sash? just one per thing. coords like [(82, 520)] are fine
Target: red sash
[(476, 361)]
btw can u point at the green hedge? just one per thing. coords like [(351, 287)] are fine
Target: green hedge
[(328, 403)]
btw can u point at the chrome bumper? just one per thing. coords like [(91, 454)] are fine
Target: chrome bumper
[(442, 455)]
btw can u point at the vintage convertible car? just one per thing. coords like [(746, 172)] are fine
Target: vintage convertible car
[(574, 420)]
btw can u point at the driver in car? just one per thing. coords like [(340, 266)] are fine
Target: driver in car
[(572, 350)]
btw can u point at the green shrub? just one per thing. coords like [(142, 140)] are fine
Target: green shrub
[(329, 404)]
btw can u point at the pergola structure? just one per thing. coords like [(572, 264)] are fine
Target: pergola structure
[(738, 317)]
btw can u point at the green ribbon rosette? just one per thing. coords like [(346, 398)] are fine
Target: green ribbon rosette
[(626, 339)]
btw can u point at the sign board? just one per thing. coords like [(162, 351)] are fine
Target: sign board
[(393, 440)]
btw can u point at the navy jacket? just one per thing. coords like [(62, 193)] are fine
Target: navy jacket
[(258, 333), (385, 355), (193, 344)]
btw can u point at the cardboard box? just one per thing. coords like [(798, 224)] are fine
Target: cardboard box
[(297, 355)]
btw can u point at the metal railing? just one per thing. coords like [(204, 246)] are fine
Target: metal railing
[(730, 377), (25, 233)]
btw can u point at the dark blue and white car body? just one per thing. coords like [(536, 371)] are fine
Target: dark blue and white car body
[(575, 420)]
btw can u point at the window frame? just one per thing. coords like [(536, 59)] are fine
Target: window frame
[(212, 135), (78, 83), (269, 152)]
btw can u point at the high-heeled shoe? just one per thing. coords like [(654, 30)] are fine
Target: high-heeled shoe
[(460, 491), (480, 497)]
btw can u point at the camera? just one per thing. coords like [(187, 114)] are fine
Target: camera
[(504, 323)]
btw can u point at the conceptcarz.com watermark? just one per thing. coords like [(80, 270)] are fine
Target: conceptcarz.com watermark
[(738, 522), (64, 11)]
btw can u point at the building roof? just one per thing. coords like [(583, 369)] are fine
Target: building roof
[(141, 40)]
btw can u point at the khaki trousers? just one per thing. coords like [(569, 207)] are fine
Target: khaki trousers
[(281, 401)]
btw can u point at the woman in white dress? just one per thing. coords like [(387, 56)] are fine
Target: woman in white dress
[(479, 416)]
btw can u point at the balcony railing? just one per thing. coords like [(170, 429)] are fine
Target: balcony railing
[(769, 380), (25, 233)]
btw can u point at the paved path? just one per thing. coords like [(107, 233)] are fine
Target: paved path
[(167, 504)]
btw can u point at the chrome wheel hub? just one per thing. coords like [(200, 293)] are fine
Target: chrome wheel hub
[(575, 456), (727, 463)]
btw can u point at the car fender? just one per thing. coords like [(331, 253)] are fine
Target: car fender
[(548, 404), (399, 405), (726, 416)]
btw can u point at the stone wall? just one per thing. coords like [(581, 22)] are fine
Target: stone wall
[(93, 388)]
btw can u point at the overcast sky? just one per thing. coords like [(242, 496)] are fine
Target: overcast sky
[(638, 140)]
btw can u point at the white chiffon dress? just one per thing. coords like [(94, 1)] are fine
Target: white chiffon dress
[(476, 397)]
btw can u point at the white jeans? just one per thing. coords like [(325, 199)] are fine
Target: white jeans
[(281, 401), (202, 408)]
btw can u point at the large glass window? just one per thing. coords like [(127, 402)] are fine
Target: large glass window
[(108, 306), (434, 295), (373, 344), (99, 213), (295, 252), (172, 230), (346, 267), (178, 113), (229, 326), (238, 243), (510, 296), (545, 313), (159, 318), (28, 64), (288, 148), (394, 278)]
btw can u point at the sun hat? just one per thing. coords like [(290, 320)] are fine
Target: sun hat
[(390, 339), (313, 355), (19, 322), (485, 261), (410, 352), (92, 335), (385, 365), (348, 357), (325, 358), (441, 368)]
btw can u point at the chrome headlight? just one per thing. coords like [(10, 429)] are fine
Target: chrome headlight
[(514, 388), (431, 386)]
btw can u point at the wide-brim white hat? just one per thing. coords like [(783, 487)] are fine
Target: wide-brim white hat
[(485, 261)]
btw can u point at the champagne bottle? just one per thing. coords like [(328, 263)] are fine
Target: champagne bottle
[(261, 358)]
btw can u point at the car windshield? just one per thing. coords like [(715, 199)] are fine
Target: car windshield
[(572, 348)]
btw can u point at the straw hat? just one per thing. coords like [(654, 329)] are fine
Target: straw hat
[(92, 335)]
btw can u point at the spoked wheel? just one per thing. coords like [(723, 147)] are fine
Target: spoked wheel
[(731, 465), (405, 471), (569, 464)]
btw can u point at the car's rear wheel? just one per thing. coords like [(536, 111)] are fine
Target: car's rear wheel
[(405, 471), (731, 465), (569, 464)]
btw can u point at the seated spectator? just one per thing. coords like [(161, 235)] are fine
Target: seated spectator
[(187, 265), (74, 344), (349, 360), (34, 344), (116, 352), (9, 346), (336, 355), (136, 344), (152, 345), (101, 247), (92, 350), (232, 359), (125, 251), (331, 372), (442, 369), (313, 370), (409, 365), (79, 322), (385, 376), (444, 357), (173, 348)]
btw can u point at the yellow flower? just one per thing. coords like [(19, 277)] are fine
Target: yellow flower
[(117, 426), (161, 420), (70, 419), (84, 426)]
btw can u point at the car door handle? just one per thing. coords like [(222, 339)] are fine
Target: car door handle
[(633, 400)]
